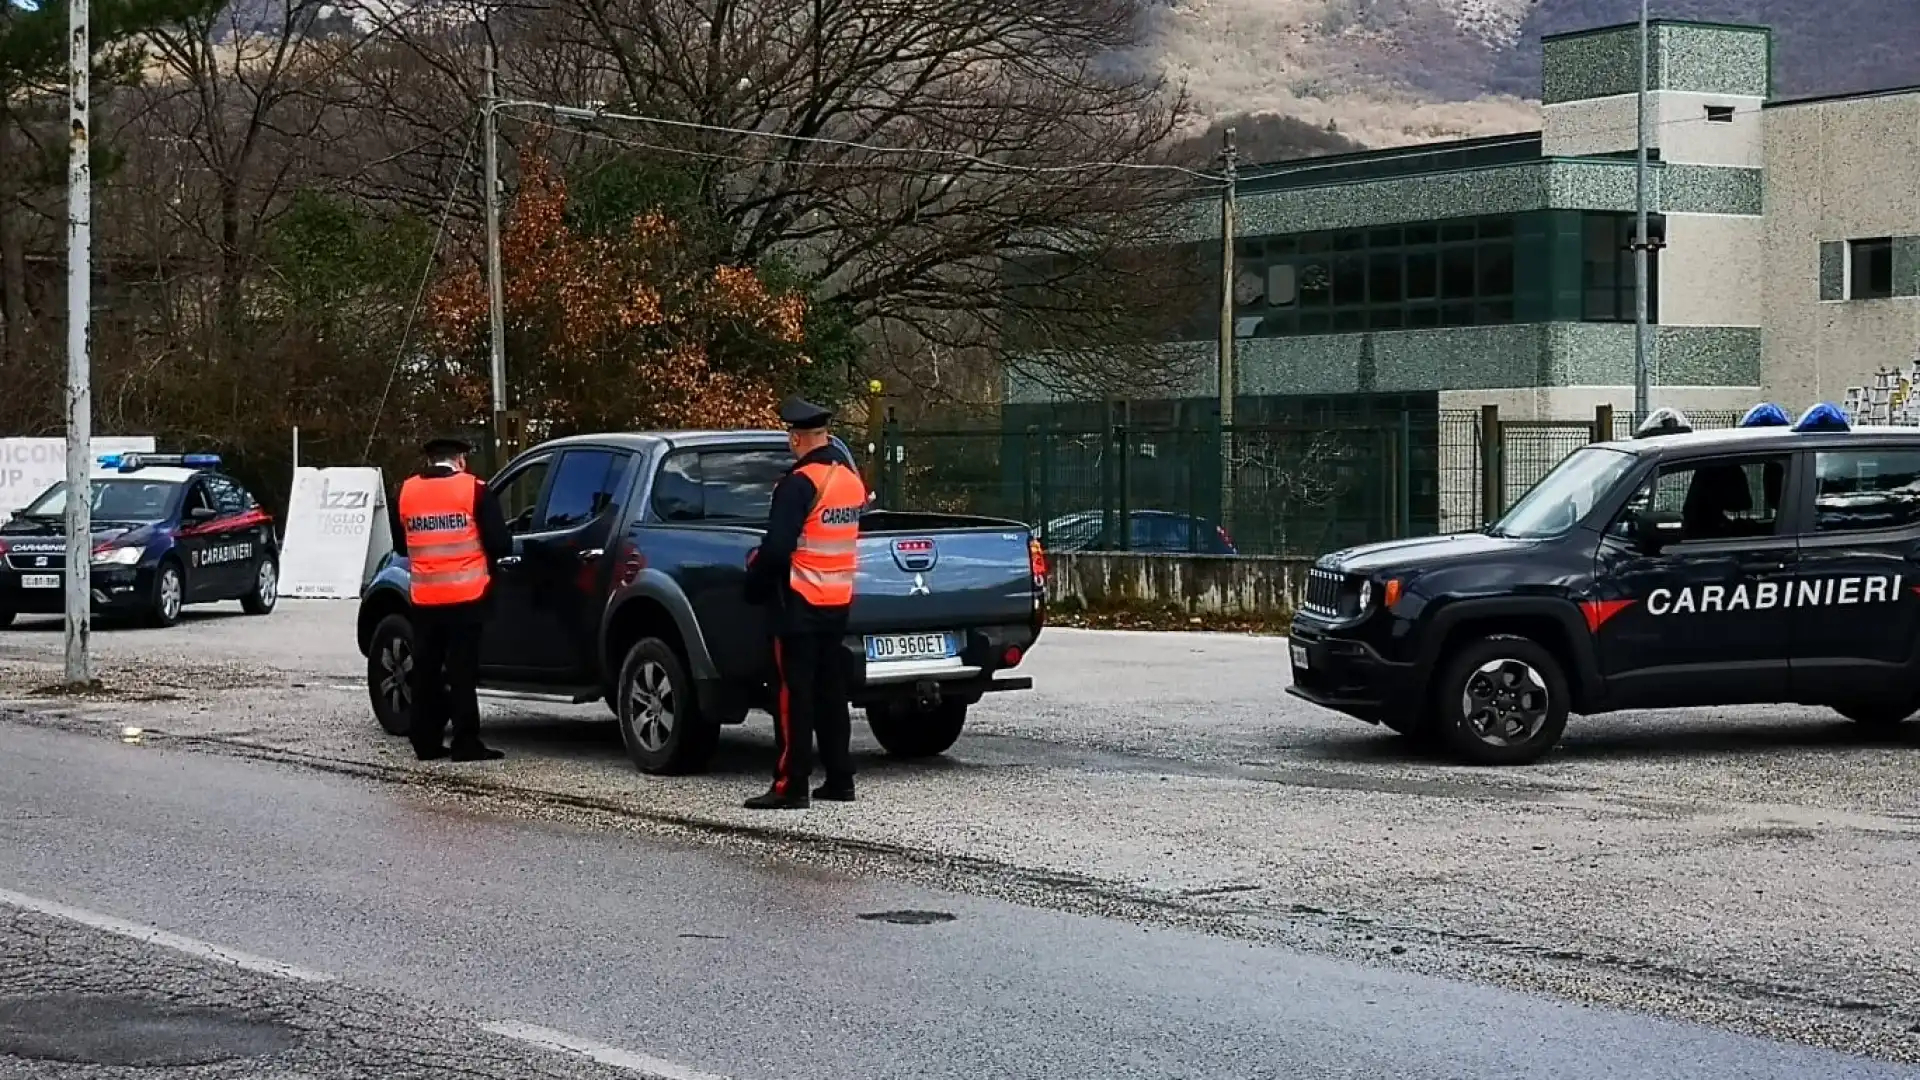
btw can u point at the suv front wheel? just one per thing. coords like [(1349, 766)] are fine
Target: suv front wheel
[(1500, 700)]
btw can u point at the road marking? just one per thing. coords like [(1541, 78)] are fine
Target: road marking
[(154, 936), (652, 1067)]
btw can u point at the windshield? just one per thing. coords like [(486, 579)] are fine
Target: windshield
[(113, 500), (1566, 495)]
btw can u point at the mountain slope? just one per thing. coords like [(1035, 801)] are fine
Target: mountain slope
[(1389, 72)]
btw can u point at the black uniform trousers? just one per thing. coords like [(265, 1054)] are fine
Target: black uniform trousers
[(446, 669), (812, 703)]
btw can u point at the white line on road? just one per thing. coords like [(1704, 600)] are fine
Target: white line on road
[(155, 936), (651, 1067)]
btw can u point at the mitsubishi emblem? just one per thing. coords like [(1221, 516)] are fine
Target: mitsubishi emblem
[(919, 586)]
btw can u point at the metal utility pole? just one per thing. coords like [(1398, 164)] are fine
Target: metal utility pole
[(496, 288), (1230, 158), (1641, 248), (79, 579)]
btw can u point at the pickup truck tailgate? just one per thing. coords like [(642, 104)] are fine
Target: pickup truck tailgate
[(941, 572)]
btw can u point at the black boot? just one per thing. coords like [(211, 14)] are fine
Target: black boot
[(835, 791), (474, 751), (773, 800)]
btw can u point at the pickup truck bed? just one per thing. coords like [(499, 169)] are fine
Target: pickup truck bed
[(633, 593)]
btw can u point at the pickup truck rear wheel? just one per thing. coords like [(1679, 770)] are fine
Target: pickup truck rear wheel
[(660, 717), (1500, 700), (390, 674), (907, 731)]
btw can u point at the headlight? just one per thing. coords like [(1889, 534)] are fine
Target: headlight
[(1366, 595), (120, 556)]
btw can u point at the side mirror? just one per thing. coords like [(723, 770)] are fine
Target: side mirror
[(203, 513), (1656, 529)]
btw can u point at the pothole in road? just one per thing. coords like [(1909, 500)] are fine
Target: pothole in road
[(129, 1032), (909, 918)]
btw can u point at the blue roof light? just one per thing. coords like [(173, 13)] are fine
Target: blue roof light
[(200, 461), (1825, 416), (1766, 414)]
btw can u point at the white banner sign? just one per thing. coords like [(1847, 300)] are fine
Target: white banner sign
[(336, 533), (31, 466)]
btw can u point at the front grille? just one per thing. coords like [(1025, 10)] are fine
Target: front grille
[(1323, 593), (31, 561)]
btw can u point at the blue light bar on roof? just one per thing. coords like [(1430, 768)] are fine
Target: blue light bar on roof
[(1825, 416), (133, 462), (1766, 414)]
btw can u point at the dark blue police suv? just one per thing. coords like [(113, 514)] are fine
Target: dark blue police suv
[(168, 530), (1778, 562)]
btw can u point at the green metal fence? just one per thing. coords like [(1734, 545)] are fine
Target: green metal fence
[(1298, 489), (1294, 489)]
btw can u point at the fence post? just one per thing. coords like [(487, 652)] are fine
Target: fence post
[(1603, 423), (1493, 473), (1046, 478), (1106, 477), (1026, 474), (889, 475), (1406, 473), (1123, 445)]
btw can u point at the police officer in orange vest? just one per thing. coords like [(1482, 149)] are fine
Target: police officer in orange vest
[(450, 528), (804, 570)]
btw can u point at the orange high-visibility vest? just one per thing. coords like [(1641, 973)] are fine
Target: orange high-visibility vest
[(828, 553), (448, 564)]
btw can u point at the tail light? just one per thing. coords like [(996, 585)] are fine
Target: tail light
[(1037, 559), (1013, 656)]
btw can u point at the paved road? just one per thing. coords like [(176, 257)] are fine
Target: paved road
[(705, 963), (1734, 867)]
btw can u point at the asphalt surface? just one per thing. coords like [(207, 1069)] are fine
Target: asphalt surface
[(714, 964), (1748, 869)]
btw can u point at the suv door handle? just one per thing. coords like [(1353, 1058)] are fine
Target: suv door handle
[(591, 554), (1763, 567), (508, 562)]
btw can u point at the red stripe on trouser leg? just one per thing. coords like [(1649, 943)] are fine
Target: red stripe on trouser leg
[(783, 716)]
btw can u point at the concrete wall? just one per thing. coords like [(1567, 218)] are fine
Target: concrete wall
[(1710, 270), (1681, 131), (1837, 170), (1261, 586)]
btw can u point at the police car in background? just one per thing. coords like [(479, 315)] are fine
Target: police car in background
[(1775, 562), (168, 530)]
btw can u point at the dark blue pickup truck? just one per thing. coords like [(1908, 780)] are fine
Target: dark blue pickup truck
[(626, 585)]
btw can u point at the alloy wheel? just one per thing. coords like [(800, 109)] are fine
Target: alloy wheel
[(170, 594), (1505, 702), (268, 587), (650, 706), (396, 669)]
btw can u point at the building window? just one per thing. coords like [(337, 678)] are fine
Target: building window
[(1870, 269), (1607, 275), (1450, 273), (1719, 114)]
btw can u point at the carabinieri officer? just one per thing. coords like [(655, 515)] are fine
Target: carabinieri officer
[(450, 528), (804, 570)]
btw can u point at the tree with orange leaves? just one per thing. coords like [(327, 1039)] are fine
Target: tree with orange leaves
[(618, 325)]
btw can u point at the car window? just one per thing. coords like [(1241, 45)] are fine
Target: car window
[(199, 498), (1865, 489), (228, 497), (113, 500), (519, 495), (676, 490), (1716, 500), (1564, 497), (737, 485), (583, 487)]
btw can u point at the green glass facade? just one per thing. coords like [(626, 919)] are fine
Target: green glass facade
[(1495, 270)]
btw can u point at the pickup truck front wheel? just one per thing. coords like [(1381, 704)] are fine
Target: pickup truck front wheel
[(660, 717), (905, 730)]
